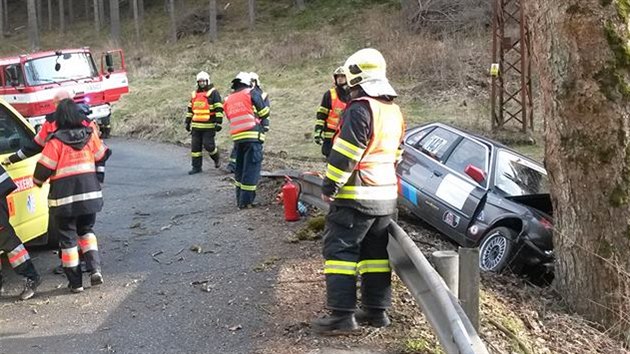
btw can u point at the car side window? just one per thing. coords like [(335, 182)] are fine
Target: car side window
[(437, 143), (413, 139), (467, 153), (13, 135)]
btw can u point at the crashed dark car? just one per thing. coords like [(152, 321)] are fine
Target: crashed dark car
[(479, 193)]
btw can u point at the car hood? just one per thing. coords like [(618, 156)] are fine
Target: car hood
[(539, 202)]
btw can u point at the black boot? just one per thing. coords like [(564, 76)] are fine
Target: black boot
[(194, 170), (75, 278), (96, 278), (338, 323), (217, 160), (372, 317), (30, 287)]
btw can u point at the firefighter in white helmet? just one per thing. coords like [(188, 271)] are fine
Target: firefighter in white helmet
[(203, 120), (361, 187), (330, 111)]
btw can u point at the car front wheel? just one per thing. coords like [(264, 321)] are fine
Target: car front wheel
[(496, 249)]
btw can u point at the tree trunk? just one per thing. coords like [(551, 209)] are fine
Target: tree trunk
[(141, 10), (213, 31), (62, 19), (114, 15), (101, 11), (33, 29), (97, 16), (251, 6), (40, 13), (171, 13), (136, 19), (300, 5), (86, 9), (70, 12), (1, 19), (584, 65), (50, 15), (6, 15)]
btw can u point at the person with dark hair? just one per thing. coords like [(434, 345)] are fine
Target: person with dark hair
[(68, 160), (11, 244), (249, 121), (330, 111)]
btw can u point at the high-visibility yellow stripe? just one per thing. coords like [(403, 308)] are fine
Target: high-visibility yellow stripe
[(248, 187), (263, 112), (48, 162), (337, 175), (323, 110), (203, 125), (217, 105), (320, 122), (329, 135), (248, 135), (340, 267), (75, 198), (368, 193), (374, 266), (348, 150), (196, 154)]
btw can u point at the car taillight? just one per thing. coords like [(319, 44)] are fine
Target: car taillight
[(546, 223)]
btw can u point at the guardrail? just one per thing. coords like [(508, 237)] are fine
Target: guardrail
[(441, 308)]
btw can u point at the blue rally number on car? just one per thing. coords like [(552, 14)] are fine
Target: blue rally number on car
[(409, 192)]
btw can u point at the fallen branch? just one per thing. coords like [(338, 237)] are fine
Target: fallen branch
[(512, 335)]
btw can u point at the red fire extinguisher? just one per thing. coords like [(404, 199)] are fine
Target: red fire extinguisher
[(290, 196)]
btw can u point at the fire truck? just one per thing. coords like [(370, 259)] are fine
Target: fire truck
[(30, 81)]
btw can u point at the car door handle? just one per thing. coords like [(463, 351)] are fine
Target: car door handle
[(437, 173)]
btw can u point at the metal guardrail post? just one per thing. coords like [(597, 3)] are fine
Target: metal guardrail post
[(447, 265), (469, 279)]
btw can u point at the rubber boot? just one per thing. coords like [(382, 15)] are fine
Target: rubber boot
[(372, 317), (338, 323), (75, 278), (217, 159), (194, 170)]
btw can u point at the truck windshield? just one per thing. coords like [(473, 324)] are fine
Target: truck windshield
[(517, 177), (72, 66)]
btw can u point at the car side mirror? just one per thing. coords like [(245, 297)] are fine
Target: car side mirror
[(475, 173)]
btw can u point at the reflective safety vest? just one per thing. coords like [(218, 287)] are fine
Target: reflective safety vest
[(374, 177), (202, 113), (337, 107), (239, 109)]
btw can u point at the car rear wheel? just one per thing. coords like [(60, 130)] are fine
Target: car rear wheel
[(496, 249)]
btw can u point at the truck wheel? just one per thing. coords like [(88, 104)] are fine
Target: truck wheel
[(496, 249), (105, 127)]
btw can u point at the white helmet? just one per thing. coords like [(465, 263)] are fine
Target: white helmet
[(203, 76), (339, 71), (368, 68), (255, 79), (244, 78)]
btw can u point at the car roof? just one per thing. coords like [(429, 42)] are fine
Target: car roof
[(486, 141)]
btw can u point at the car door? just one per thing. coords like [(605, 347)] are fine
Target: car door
[(28, 208), (458, 195), (115, 83)]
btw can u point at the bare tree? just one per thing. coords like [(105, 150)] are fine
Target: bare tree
[(33, 29), (101, 11), (97, 15), (1, 19), (581, 51), (70, 12), (86, 9), (40, 14), (136, 18), (50, 15), (6, 14), (213, 31), (171, 13), (141, 10), (251, 6), (114, 15), (62, 17), (300, 5)]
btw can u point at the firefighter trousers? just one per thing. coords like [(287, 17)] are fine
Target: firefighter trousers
[(327, 147), (232, 164), (11, 245), (77, 232), (249, 156), (203, 139), (355, 243)]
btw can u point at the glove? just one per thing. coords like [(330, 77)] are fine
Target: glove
[(6, 162), (217, 128), (265, 129), (187, 127), (318, 139)]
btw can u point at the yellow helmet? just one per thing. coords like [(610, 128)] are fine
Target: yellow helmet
[(368, 69)]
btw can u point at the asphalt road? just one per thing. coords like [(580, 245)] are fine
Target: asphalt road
[(154, 212)]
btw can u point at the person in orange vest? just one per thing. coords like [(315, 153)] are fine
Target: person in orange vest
[(203, 120), (361, 187), (75, 196), (330, 111), (249, 121), (12, 246)]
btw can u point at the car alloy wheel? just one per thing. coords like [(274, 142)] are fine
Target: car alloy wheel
[(495, 250)]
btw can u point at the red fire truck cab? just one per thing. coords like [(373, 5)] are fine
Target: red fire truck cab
[(29, 82)]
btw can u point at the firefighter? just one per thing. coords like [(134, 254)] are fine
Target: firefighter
[(203, 120), (330, 111), (68, 160), (265, 96), (10, 243), (361, 187), (249, 121)]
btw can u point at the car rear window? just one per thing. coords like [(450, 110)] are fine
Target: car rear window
[(437, 143), (13, 135)]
